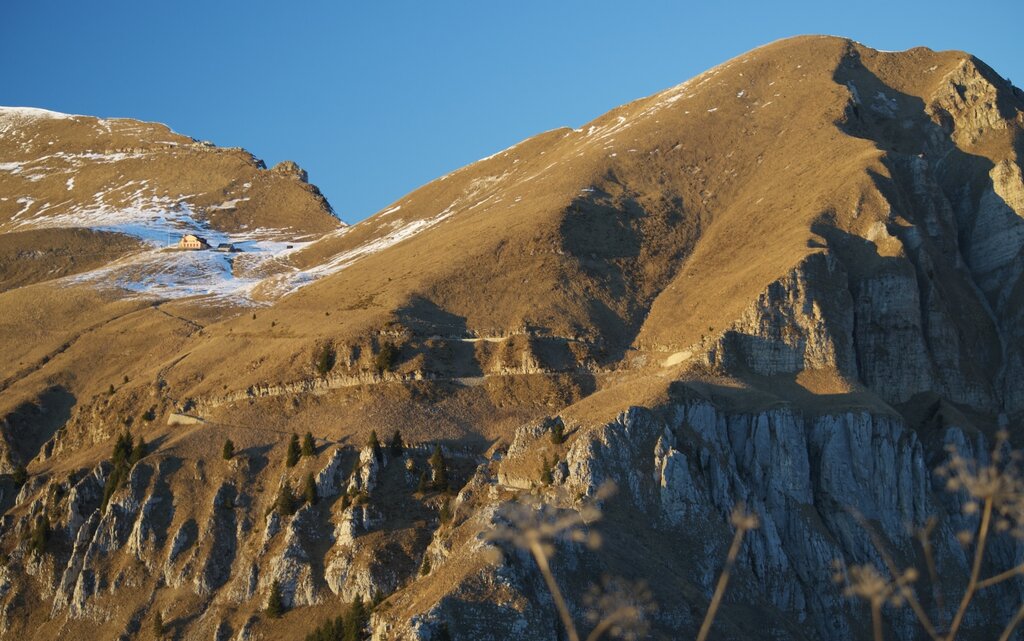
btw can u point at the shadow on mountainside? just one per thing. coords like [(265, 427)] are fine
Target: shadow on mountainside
[(438, 345), (628, 246), (949, 198), (30, 425)]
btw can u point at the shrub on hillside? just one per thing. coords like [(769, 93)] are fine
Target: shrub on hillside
[(385, 358), (324, 361)]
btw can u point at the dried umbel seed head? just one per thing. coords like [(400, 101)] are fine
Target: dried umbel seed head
[(868, 583), (622, 607), (533, 521), (741, 519), (998, 484)]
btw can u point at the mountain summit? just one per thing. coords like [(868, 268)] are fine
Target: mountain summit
[(788, 282)]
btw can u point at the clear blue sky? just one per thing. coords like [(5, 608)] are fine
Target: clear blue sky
[(375, 98)]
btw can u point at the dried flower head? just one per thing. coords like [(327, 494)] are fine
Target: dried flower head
[(741, 519), (868, 583), (531, 521), (619, 608), (998, 482)]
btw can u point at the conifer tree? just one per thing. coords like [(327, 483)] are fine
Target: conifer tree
[(285, 502), (139, 451), (158, 625), (309, 493), (119, 460), (275, 604), (558, 433), (424, 483), (20, 476), (356, 621), (425, 566), (374, 444), (292, 455), (122, 449), (397, 446), (39, 535), (440, 470), (308, 446), (444, 513), (229, 450), (545, 472), (325, 360)]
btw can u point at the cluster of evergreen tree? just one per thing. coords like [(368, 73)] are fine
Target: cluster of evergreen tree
[(125, 455), (296, 451), (438, 478), (348, 628), (329, 630), (229, 450), (287, 503)]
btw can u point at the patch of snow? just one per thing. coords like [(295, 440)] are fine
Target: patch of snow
[(741, 93), (712, 110), (12, 167), (70, 183), (288, 283), (170, 273), (228, 204), (26, 204)]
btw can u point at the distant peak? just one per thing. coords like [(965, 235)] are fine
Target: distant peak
[(32, 113)]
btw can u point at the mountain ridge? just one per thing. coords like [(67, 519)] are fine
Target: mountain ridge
[(726, 291)]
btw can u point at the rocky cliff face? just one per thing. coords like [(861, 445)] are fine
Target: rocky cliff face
[(790, 283), (828, 489)]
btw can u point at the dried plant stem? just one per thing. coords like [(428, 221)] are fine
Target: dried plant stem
[(1012, 625), (537, 549), (606, 624), (972, 585), (723, 581), (922, 617), (925, 537), (876, 620), (999, 578), (915, 605)]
